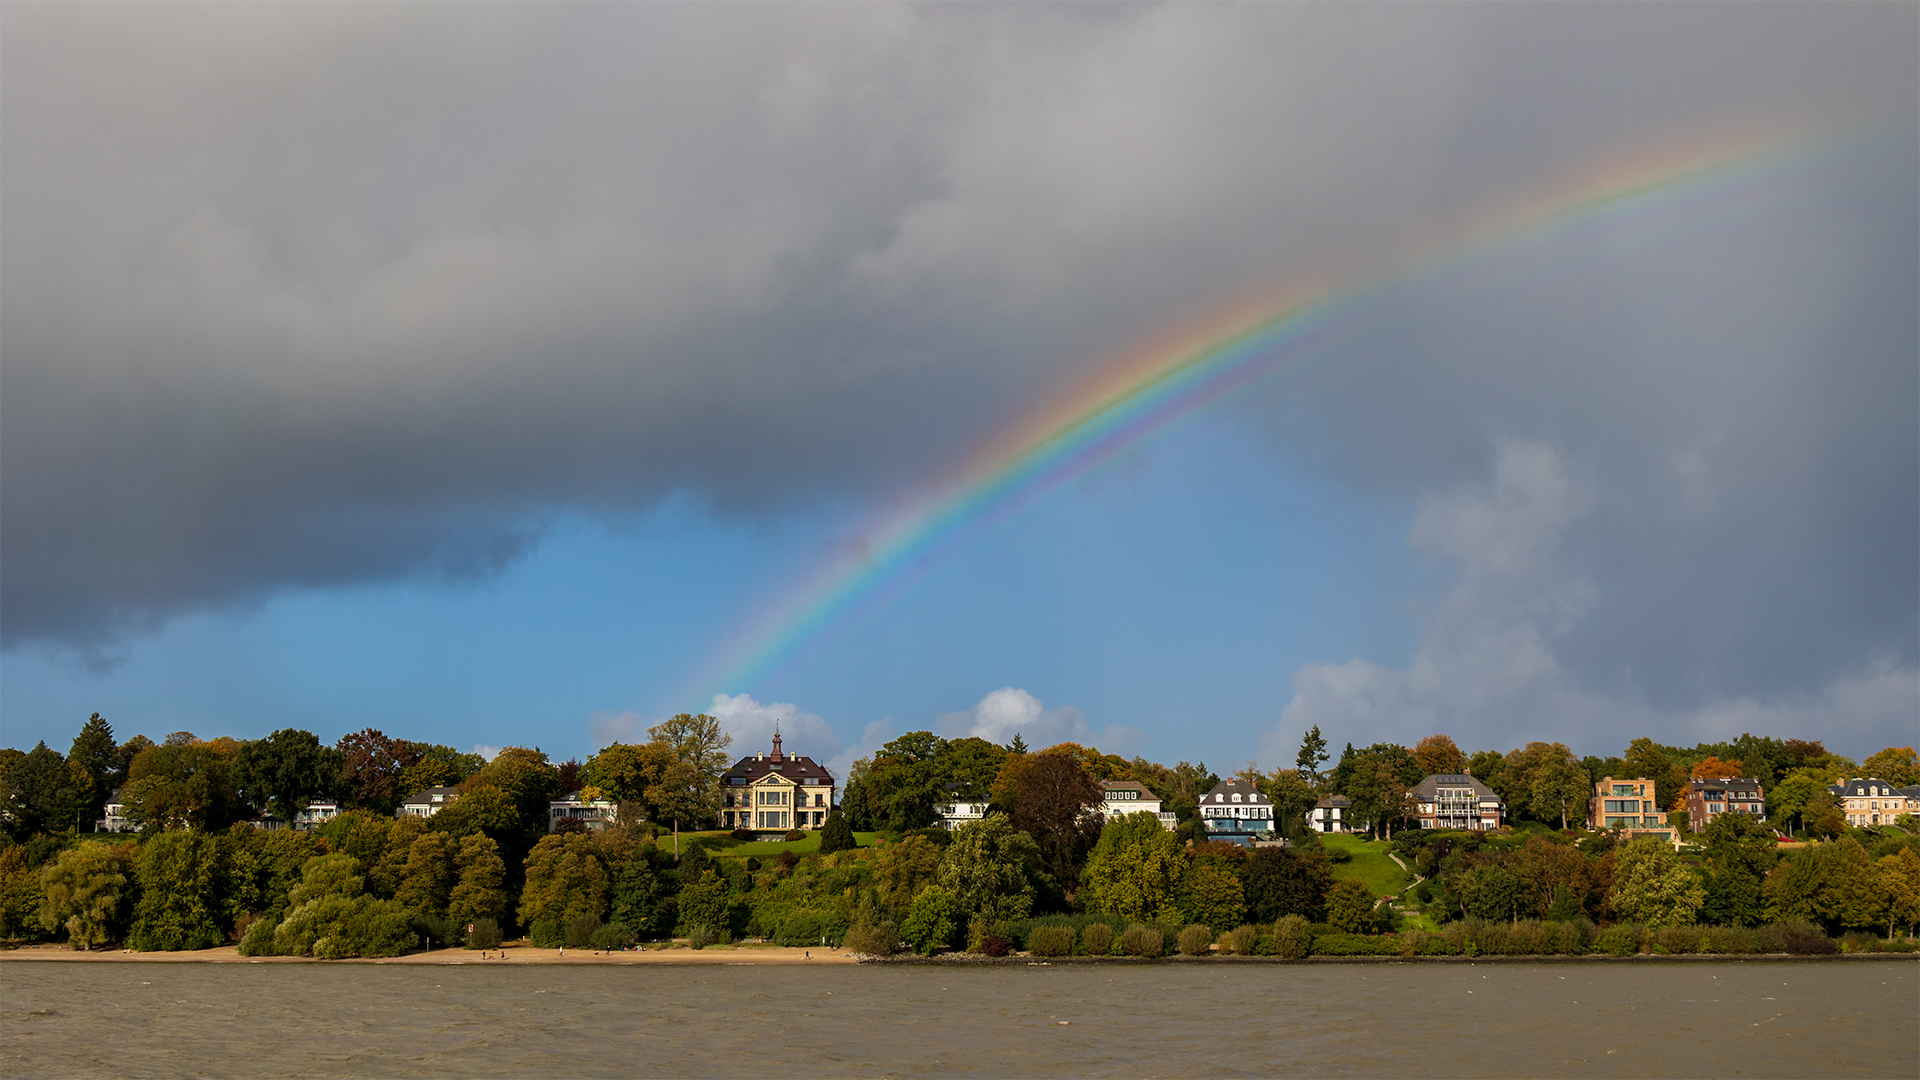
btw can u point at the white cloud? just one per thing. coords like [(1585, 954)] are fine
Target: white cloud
[(1010, 711), (485, 751), (752, 725), (1488, 672)]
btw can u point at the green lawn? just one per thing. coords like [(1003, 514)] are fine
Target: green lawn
[(720, 843), (1369, 864)]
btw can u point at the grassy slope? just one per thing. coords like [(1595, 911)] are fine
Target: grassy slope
[(720, 843), (1369, 864)]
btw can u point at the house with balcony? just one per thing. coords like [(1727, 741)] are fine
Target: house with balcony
[(427, 803), (776, 792), (315, 814), (1235, 811), (1457, 801), (1628, 806), (1332, 814), (1132, 797), (1708, 799), (596, 812), (116, 819)]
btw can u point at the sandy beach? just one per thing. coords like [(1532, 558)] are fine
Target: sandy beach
[(511, 954)]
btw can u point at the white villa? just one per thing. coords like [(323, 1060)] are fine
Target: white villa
[(960, 808), (597, 813), (1332, 814), (1457, 801), (1131, 797), (1236, 811), (427, 803)]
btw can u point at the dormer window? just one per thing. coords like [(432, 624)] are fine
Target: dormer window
[(1236, 796)]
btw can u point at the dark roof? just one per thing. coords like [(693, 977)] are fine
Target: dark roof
[(796, 767), (1858, 787), (1247, 792), (1429, 788), (1127, 785), (426, 796), (1330, 801), (1911, 791), (1741, 784)]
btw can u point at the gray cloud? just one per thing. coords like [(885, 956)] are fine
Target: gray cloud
[(300, 297)]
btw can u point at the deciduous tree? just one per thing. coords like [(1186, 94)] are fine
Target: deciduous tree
[(180, 905), (1897, 765), (1135, 869), (1055, 803), (990, 868), (1439, 754), (1652, 886), (285, 771), (85, 891)]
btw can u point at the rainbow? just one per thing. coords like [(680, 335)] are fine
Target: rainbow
[(1291, 331)]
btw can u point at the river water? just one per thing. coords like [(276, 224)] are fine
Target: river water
[(1705, 1019)]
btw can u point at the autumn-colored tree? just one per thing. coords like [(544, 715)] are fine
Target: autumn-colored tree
[(1437, 754), (1548, 868), (1715, 769), (370, 769), (1055, 803), (1897, 765), (1645, 758), (1822, 816)]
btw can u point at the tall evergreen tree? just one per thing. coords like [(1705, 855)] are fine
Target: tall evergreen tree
[(94, 753)]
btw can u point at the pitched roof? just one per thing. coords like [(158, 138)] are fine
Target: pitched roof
[(1741, 784), (1128, 785), (1229, 788), (1861, 787), (800, 769), (425, 798), (1429, 788)]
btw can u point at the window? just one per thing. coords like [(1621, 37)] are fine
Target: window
[(819, 800), (773, 798), (1624, 789), (1236, 796)]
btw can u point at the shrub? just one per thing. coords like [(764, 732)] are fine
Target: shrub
[(995, 945), (810, 927), (611, 937), (1139, 940), (1051, 941), (258, 940), (1337, 944), (485, 934), (1239, 942), (1096, 939), (1263, 944), (836, 834), (1195, 940), (1796, 936), (434, 929), (547, 934), (580, 930), (334, 926), (1292, 937), (881, 939), (932, 921), (1350, 907), (701, 936), (795, 834), (742, 834), (1622, 940)]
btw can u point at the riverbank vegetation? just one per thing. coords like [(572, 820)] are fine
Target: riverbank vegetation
[(1040, 873)]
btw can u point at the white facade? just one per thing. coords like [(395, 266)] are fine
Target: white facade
[(428, 803), (116, 819), (1332, 814), (1871, 801), (317, 813), (1235, 808), (597, 813), (960, 811), (1131, 797)]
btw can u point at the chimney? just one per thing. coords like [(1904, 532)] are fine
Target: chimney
[(776, 741)]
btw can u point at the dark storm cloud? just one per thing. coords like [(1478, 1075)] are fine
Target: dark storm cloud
[(310, 296)]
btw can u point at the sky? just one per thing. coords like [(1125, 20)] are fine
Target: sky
[(501, 375)]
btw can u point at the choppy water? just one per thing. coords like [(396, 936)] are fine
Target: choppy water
[(1715, 1019)]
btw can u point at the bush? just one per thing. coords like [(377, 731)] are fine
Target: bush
[(1263, 943), (1195, 940), (995, 945), (1096, 939), (1052, 941), (333, 926), (1142, 941), (742, 834), (1796, 936), (701, 936), (932, 921), (547, 934), (1239, 942), (1337, 944), (882, 939), (1622, 940), (1292, 937), (836, 834), (1350, 907), (435, 929), (258, 940), (612, 937), (810, 927), (484, 935), (795, 834), (580, 930)]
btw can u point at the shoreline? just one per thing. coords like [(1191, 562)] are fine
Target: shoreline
[(523, 956), (511, 956)]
